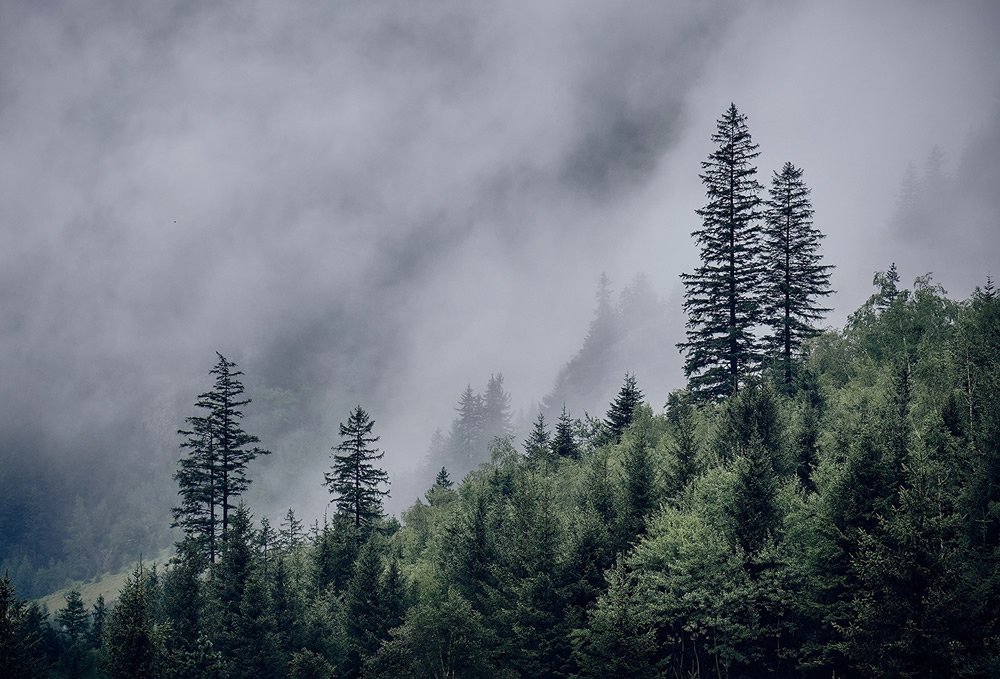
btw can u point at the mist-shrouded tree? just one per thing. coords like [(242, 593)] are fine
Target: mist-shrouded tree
[(722, 296), (496, 410), (214, 473), (564, 442), (622, 410), (795, 277), (537, 447), (465, 440), (73, 620), (353, 477)]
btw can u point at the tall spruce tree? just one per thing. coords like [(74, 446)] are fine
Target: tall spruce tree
[(353, 478), (622, 410), (496, 410), (564, 443), (214, 473), (722, 296), (795, 277), (537, 447)]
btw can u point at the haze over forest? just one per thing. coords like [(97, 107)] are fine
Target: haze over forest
[(383, 203)]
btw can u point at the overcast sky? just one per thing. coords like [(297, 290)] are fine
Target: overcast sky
[(393, 199)]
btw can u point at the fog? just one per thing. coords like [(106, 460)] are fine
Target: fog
[(382, 202)]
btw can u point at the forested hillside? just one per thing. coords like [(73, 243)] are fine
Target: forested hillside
[(843, 523), (813, 504)]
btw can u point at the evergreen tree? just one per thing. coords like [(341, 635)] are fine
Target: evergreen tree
[(795, 278), (353, 478), (622, 410), (537, 447), (98, 615), (334, 554), (20, 651), (366, 621), (465, 440), (182, 592), (130, 646), (442, 479), (73, 620), (496, 410), (441, 490), (564, 443), (290, 533), (213, 474), (722, 296)]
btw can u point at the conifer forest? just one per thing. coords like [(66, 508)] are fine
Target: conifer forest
[(776, 453)]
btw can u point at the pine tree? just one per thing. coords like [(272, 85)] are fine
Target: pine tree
[(621, 412), (496, 410), (290, 533), (129, 639), (564, 443), (73, 620), (722, 297), (795, 278), (98, 614), (353, 478), (20, 652), (214, 473), (442, 479), (465, 440), (537, 447)]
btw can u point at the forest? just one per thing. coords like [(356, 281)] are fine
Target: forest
[(815, 503)]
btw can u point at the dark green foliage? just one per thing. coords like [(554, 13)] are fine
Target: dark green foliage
[(372, 605), (537, 447), (307, 664), (639, 490), (73, 620), (182, 602), (198, 660), (214, 473), (685, 444), (622, 410), (334, 552), (564, 443), (130, 641), (98, 615), (619, 640), (353, 479), (290, 533), (444, 638), (21, 654), (442, 480), (722, 296), (795, 277)]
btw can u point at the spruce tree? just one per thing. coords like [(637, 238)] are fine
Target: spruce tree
[(130, 646), (73, 620), (622, 410), (722, 296), (795, 277), (465, 440), (213, 474), (21, 655), (353, 478), (290, 533), (496, 410), (537, 447), (442, 479), (564, 443)]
